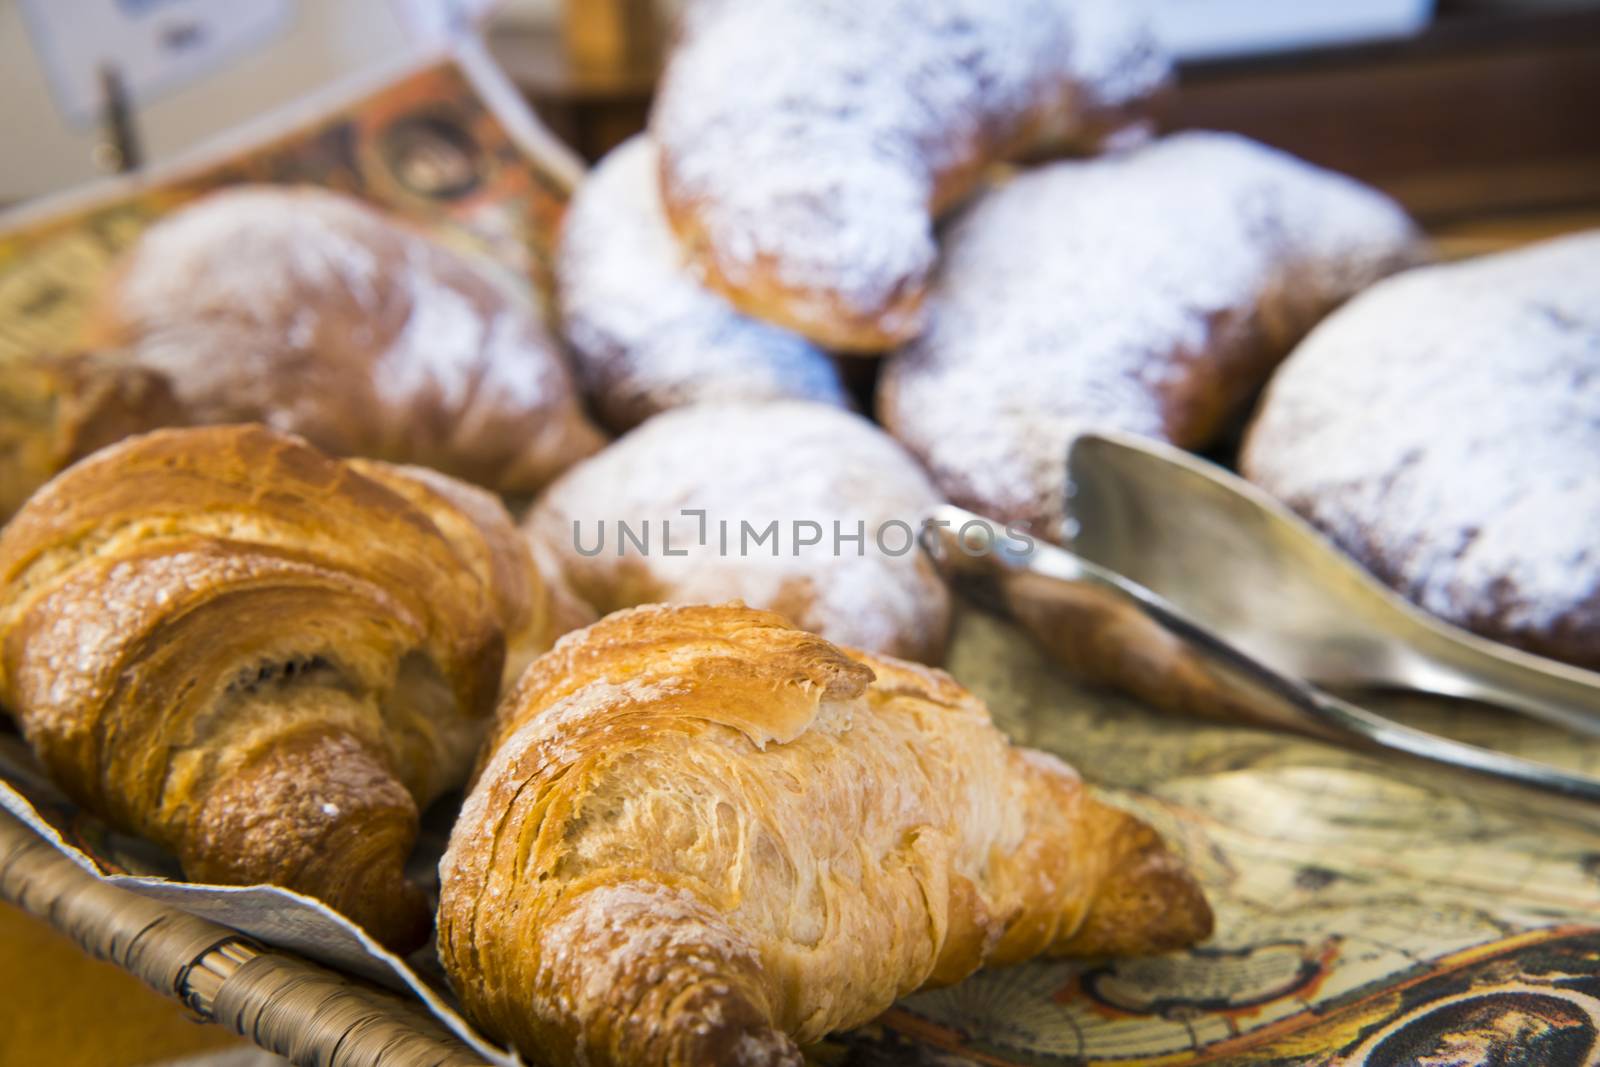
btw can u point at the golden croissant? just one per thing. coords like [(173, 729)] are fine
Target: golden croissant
[(257, 656), (58, 408), (704, 837)]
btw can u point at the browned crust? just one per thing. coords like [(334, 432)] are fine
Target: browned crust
[(1067, 116), (485, 394), (761, 293), (702, 836), (252, 654), (57, 409), (482, 530)]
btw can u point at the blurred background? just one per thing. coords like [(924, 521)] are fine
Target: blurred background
[(1481, 116), (1478, 114)]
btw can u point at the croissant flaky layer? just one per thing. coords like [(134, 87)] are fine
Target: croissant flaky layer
[(257, 656), (702, 836), (57, 408)]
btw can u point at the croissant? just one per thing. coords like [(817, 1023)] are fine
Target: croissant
[(483, 532), (57, 409), (253, 655), (704, 837)]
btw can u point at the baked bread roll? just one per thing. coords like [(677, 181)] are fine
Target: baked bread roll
[(253, 655), (1444, 429), (313, 313), (756, 471), (807, 145), (645, 334), (703, 837), (1151, 292), (57, 409)]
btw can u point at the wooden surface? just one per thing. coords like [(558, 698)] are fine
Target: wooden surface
[(1481, 115), (592, 106)]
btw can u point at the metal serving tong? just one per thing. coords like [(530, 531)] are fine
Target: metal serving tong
[(1193, 589)]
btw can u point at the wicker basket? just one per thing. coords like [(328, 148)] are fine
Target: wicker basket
[(309, 1014)]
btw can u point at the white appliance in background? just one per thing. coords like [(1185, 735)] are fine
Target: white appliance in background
[(1207, 29), (155, 45), (191, 69)]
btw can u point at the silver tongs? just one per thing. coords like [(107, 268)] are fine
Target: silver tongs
[(1194, 590)]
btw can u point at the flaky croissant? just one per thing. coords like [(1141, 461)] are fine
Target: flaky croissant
[(254, 655), (58, 408), (704, 837), (483, 532)]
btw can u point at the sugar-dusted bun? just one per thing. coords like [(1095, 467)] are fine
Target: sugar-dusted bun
[(808, 144), (313, 313), (1151, 292), (1444, 429), (758, 464), (645, 334)]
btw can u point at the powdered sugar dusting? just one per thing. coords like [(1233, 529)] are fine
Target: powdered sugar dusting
[(440, 346), (570, 716), (1444, 428), (202, 260), (1099, 295), (782, 462), (647, 335), (315, 314), (1115, 56), (88, 623), (812, 138), (634, 923)]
